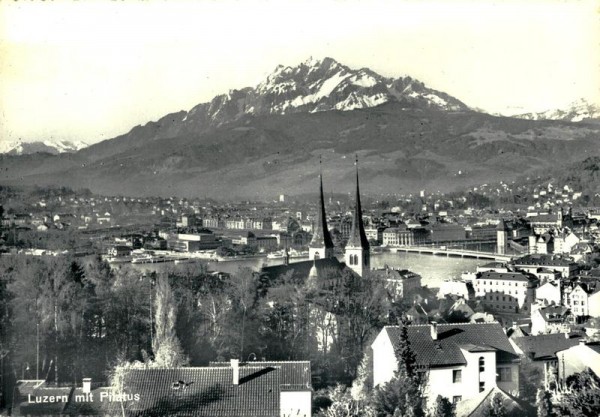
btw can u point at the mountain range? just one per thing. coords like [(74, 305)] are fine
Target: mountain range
[(265, 140), (576, 112), (46, 146)]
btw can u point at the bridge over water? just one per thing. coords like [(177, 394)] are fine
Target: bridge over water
[(461, 253)]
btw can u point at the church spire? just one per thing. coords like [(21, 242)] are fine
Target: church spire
[(358, 237), (321, 243), (357, 255)]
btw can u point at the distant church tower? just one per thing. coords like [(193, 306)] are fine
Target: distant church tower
[(501, 237), (321, 245), (357, 255)]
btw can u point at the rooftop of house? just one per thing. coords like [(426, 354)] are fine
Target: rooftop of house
[(545, 346), (210, 391), (300, 270), (201, 391), (446, 349), (295, 374), (543, 260), (505, 276), (554, 313), (479, 405), (38, 389), (394, 273)]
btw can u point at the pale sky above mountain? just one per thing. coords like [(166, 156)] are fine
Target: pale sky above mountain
[(92, 70)]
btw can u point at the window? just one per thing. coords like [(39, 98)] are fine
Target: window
[(481, 386), (504, 375), (456, 399), (457, 376), (481, 364)]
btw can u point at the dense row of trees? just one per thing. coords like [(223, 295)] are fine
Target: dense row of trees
[(64, 319)]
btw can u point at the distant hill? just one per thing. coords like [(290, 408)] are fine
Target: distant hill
[(267, 140)]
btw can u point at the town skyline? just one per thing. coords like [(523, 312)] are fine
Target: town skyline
[(65, 62)]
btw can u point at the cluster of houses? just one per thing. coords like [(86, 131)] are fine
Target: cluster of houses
[(539, 307)]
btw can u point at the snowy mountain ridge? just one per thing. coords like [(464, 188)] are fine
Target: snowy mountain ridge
[(316, 85), (46, 146), (576, 112)]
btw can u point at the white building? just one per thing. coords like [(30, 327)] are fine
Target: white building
[(549, 293), (578, 358), (462, 360), (510, 292), (583, 299)]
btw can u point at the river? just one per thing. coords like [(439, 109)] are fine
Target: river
[(433, 269)]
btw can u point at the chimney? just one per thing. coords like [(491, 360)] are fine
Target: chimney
[(433, 328), (235, 365), (87, 385)]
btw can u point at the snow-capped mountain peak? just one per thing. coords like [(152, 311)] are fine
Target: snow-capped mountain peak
[(577, 111), (325, 84), (314, 85), (45, 146)]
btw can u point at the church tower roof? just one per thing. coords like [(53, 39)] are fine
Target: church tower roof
[(321, 237), (358, 237)]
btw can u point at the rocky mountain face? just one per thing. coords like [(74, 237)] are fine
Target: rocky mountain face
[(267, 140), (316, 85), (50, 147), (575, 112)]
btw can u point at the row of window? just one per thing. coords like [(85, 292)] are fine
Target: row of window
[(504, 283), (491, 298), (502, 375)]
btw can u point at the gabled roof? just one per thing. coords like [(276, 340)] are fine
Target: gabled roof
[(300, 270), (543, 260), (295, 374), (446, 350), (545, 346), (479, 405), (97, 407), (505, 276), (49, 408), (209, 391), (554, 313)]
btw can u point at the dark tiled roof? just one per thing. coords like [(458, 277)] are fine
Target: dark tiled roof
[(479, 405), (295, 374), (545, 346), (446, 350), (99, 406), (594, 346), (206, 392), (49, 408), (543, 260), (505, 276), (300, 270), (554, 313)]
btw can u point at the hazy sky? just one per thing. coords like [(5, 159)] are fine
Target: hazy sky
[(81, 70)]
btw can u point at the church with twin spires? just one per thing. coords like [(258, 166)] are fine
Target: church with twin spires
[(321, 250)]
